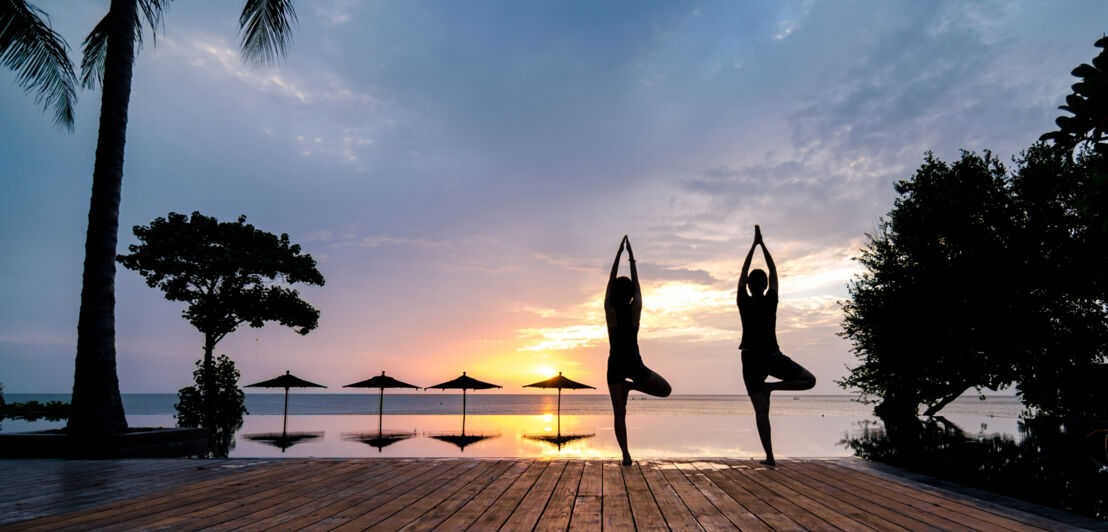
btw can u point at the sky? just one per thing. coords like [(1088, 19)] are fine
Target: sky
[(463, 173)]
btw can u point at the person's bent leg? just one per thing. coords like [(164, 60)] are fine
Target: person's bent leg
[(618, 389), (761, 417), (654, 385), (793, 376)]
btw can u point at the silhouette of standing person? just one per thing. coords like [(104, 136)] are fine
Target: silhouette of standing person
[(626, 371), (761, 356)]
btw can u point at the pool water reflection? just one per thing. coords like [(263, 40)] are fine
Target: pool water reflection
[(541, 435)]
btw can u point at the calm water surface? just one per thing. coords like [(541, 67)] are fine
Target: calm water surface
[(497, 425)]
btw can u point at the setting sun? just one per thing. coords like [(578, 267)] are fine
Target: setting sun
[(546, 371)]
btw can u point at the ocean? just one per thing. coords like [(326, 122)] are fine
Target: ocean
[(431, 424)]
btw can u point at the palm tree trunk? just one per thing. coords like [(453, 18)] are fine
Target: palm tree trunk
[(96, 404)]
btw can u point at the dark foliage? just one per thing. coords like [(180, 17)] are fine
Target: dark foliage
[(226, 272), (33, 410), (1087, 131), (1088, 104), (229, 405), (981, 279), (1064, 255), (931, 315), (39, 56)]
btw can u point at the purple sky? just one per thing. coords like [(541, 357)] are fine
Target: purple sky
[(463, 172)]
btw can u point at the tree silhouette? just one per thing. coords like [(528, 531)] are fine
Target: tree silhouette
[(29, 46), (979, 279), (930, 315), (229, 274)]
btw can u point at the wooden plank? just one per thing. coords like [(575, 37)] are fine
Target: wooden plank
[(893, 514), (648, 517), (448, 506), (587, 510), (470, 511), (409, 496), (707, 515), (421, 494), (615, 506), (588, 506), (560, 507), (729, 507), (381, 494), (808, 512), (60, 493), (677, 515), (336, 488), (344, 504), (527, 513), (770, 515), (231, 504), (500, 510), (944, 517), (166, 499), (445, 489), (941, 496)]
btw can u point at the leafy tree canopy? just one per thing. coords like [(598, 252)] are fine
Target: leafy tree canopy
[(1087, 131), (230, 273), (925, 315), (1088, 104), (982, 279)]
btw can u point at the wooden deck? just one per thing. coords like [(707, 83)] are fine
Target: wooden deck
[(510, 494)]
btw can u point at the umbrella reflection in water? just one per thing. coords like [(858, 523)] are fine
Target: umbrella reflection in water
[(378, 439), (284, 439), (463, 383), (463, 439), (557, 440)]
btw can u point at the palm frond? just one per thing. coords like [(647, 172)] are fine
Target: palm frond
[(95, 46), (93, 52), (40, 58), (266, 27)]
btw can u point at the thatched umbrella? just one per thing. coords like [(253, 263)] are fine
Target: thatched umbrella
[(381, 381), (285, 381), (559, 382), (464, 383)]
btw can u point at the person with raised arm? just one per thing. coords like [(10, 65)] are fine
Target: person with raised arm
[(626, 371), (761, 356)]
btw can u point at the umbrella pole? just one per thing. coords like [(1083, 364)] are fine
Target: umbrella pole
[(285, 417), (463, 411), (380, 410), (559, 414)]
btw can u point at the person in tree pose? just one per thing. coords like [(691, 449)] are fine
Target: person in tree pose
[(626, 371), (761, 356)]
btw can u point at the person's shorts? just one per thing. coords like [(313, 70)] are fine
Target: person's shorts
[(627, 367), (757, 365)]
